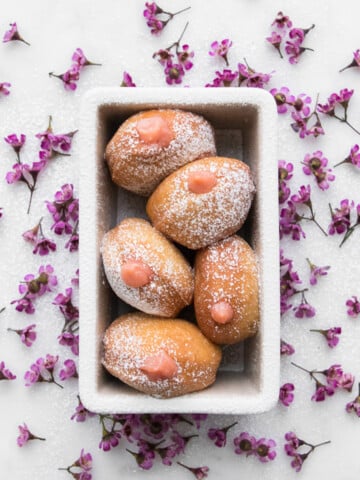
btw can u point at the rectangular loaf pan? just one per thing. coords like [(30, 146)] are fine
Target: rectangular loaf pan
[(245, 123)]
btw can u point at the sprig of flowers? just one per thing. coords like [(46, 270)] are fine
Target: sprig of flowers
[(341, 219), (72, 75), (286, 395), (335, 102), (35, 236), (27, 335), (175, 64), (33, 287), (26, 435), (5, 373), (157, 18), (354, 405), (263, 449), (50, 145), (293, 449), (4, 88), (355, 61), (335, 379), (291, 216), (292, 37), (219, 435), (80, 469), (13, 34), (353, 158), (221, 49), (316, 272), (353, 306), (331, 335), (65, 210), (42, 371), (316, 164), (69, 334)]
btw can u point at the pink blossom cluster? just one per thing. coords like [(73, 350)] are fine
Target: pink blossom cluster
[(293, 38), (342, 221), (27, 335), (13, 34), (219, 435), (286, 395), (306, 122), (353, 305), (81, 468), (25, 435), (337, 107), (69, 335), (221, 49), (298, 449), (33, 287), (72, 75), (42, 245), (176, 60), (50, 145), (244, 76), (316, 164), (65, 213), (355, 61), (151, 435), (331, 335), (354, 405), (333, 379), (157, 18), (42, 371), (5, 373), (263, 449)]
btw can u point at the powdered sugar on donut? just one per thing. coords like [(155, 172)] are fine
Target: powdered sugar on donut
[(140, 167), (171, 286), (228, 272), (134, 337), (196, 220)]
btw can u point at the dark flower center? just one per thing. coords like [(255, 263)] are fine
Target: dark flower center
[(245, 445), (262, 450)]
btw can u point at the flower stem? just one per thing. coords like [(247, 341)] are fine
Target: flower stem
[(320, 444), (31, 196), (342, 161), (353, 128), (2, 309), (301, 368), (177, 13)]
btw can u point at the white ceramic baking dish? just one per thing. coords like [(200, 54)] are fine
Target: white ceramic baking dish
[(245, 123)]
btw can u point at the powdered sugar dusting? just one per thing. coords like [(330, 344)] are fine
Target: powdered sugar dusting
[(196, 220), (171, 287), (227, 271), (140, 167), (132, 338)]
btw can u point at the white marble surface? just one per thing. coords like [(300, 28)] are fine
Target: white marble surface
[(114, 33)]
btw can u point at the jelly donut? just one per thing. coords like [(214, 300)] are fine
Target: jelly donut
[(226, 292), (152, 144), (202, 202), (145, 270), (161, 357)]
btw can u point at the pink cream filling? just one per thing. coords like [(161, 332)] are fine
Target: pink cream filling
[(201, 181), (136, 273), (154, 130), (159, 367), (222, 312)]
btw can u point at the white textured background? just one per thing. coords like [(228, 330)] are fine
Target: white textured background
[(113, 32)]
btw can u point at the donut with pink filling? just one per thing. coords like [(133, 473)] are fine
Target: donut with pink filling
[(150, 145), (161, 357), (226, 295), (202, 202), (146, 270)]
